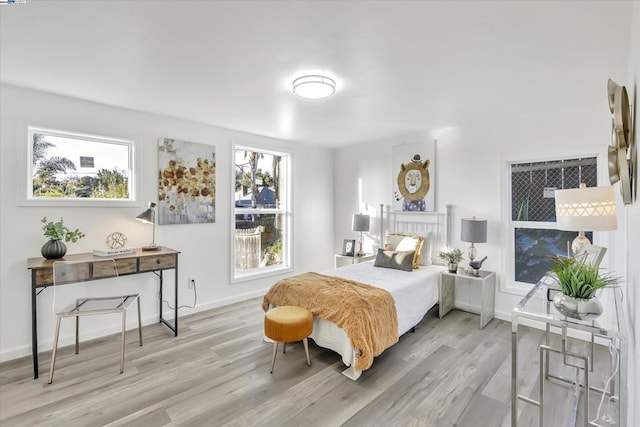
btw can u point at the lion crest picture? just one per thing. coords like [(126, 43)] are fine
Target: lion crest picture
[(413, 186), (414, 183)]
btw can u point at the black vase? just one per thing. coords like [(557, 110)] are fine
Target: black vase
[(53, 249)]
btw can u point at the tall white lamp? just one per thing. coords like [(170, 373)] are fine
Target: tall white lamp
[(361, 223), (585, 209)]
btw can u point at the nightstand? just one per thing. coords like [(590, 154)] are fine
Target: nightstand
[(447, 294), (342, 260)]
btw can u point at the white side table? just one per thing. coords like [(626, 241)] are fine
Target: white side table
[(342, 260), (447, 294)]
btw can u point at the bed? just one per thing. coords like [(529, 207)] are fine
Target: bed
[(414, 292)]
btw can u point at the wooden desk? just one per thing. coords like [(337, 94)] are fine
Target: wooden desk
[(134, 263)]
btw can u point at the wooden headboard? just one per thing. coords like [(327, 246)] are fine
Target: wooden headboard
[(433, 226)]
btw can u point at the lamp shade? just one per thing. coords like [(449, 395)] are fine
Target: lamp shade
[(148, 215), (361, 222), (586, 209), (474, 230)]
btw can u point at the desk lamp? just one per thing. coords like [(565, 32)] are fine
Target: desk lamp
[(148, 216)]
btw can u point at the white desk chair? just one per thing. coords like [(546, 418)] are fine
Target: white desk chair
[(65, 272)]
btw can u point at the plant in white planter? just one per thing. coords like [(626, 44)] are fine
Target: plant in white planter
[(55, 248), (453, 257), (579, 282)]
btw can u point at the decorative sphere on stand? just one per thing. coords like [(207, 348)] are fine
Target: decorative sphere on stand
[(116, 240)]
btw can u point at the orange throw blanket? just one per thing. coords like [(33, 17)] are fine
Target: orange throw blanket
[(366, 313)]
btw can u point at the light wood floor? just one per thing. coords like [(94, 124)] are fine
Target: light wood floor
[(216, 373)]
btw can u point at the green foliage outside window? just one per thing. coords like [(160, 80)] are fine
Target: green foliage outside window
[(52, 177)]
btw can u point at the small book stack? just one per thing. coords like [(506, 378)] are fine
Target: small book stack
[(111, 252)]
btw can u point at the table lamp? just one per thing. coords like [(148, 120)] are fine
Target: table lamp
[(148, 216), (361, 223), (474, 230), (585, 209)]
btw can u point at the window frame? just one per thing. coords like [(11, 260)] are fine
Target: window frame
[(286, 209), (25, 185), (510, 285)]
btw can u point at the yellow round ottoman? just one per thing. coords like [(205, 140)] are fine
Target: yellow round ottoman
[(288, 324)]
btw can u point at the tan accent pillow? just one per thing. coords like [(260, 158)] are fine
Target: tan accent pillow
[(405, 242)]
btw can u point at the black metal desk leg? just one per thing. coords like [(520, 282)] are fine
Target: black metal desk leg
[(34, 325), (175, 303), (161, 298)]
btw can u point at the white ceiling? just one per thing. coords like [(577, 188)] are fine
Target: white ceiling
[(401, 67)]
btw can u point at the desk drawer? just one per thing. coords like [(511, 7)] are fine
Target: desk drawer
[(105, 268), (44, 277), (157, 262)]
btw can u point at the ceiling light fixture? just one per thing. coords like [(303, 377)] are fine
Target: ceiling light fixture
[(314, 86)]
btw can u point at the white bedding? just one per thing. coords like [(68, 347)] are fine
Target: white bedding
[(414, 292)]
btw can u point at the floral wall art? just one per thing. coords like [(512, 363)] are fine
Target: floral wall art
[(186, 182)]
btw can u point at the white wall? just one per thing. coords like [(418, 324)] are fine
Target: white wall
[(469, 170), (205, 247)]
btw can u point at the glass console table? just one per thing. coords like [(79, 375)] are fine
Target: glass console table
[(610, 326)]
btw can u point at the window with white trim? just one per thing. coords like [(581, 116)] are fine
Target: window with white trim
[(532, 215), (261, 213), (72, 167)]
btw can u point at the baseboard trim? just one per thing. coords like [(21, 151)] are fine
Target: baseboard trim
[(47, 344)]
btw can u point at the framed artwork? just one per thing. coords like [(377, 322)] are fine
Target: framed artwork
[(412, 184), (348, 247), (186, 182)]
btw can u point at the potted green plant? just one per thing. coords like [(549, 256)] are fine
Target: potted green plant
[(579, 282), (56, 232), (453, 257)]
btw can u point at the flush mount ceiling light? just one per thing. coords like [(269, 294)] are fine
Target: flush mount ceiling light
[(314, 86)]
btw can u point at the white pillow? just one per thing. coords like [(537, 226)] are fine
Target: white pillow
[(427, 250), (405, 242), (392, 240)]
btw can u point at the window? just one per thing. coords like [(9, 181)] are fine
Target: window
[(83, 169), (261, 213), (532, 214)]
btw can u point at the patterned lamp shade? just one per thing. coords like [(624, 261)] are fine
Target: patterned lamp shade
[(586, 209)]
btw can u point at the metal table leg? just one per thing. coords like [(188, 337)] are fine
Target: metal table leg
[(34, 325), (514, 372)]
